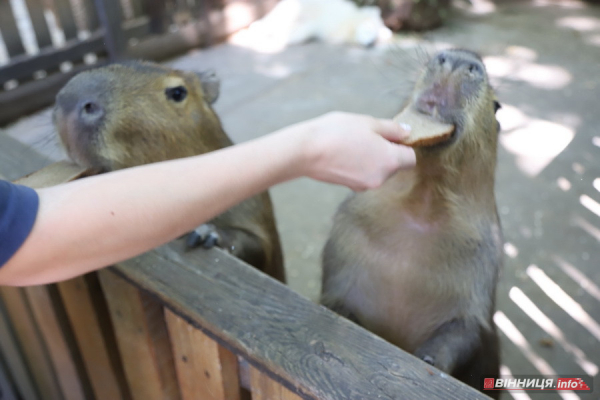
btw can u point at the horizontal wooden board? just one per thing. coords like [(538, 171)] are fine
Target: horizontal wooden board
[(54, 174), (24, 66), (314, 352)]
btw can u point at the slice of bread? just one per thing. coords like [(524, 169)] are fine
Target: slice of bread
[(425, 131)]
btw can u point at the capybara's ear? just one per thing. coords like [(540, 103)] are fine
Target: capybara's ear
[(211, 85), (497, 106)]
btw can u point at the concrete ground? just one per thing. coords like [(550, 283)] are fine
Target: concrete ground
[(543, 57)]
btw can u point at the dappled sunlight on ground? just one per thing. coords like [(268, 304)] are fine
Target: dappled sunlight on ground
[(536, 143), (518, 65), (542, 320)]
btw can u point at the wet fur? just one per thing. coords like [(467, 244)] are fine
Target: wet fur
[(417, 260)]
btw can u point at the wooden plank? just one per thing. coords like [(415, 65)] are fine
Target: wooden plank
[(54, 174), (171, 44), (205, 369), (137, 7), (18, 159), (14, 360), (74, 49), (111, 19), (265, 388), (69, 379), (40, 26), (92, 344), (309, 349), (156, 12), (32, 96), (92, 22), (31, 342), (10, 32), (62, 9), (7, 391), (142, 339)]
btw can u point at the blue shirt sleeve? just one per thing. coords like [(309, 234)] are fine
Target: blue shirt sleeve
[(18, 210)]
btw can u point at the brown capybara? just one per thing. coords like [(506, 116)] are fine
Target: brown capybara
[(417, 260), (134, 113)]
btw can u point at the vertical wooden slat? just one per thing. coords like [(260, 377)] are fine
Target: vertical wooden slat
[(32, 344), (111, 18), (40, 27), (158, 17), (63, 11), (205, 370), (265, 388), (92, 22), (10, 32), (78, 11), (91, 342), (137, 7), (142, 338), (7, 391), (201, 11), (56, 343), (15, 363)]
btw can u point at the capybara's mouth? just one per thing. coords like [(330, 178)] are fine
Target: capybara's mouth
[(426, 130)]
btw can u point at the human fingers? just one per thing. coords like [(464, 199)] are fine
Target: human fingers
[(405, 156), (391, 130)]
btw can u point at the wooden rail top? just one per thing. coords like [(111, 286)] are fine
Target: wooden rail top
[(304, 346)]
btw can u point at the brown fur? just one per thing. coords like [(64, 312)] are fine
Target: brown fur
[(416, 261), (120, 116)]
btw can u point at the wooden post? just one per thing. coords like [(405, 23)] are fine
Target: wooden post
[(7, 391), (14, 361), (205, 369), (142, 338), (111, 19), (38, 21), (92, 344), (62, 358), (31, 342), (10, 32)]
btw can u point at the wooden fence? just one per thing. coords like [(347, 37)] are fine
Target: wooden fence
[(68, 36), (195, 325)]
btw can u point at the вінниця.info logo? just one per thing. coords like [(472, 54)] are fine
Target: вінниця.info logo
[(573, 383)]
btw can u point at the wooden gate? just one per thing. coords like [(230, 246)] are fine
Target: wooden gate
[(45, 42), (169, 325)]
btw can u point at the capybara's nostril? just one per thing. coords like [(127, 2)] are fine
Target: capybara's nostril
[(427, 105), (90, 112)]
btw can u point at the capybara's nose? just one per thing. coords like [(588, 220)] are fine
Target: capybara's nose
[(90, 111), (430, 104)]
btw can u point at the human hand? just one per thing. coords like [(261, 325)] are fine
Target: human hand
[(354, 150)]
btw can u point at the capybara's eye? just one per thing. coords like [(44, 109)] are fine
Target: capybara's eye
[(177, 94)]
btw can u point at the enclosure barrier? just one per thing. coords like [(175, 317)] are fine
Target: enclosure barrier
[(193, 325), (51, 40)]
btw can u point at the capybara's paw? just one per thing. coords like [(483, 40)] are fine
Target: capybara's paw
[(205, 235)]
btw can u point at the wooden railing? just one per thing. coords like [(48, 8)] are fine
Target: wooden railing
[(106, 30), (193, 325)]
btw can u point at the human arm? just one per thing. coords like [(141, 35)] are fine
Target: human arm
[(97, 221)]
